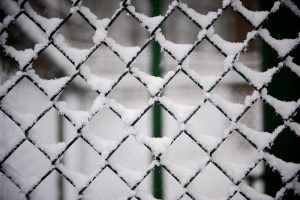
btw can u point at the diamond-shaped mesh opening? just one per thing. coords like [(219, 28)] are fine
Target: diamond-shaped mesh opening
[(138, 92), (54, 139), (278, 82), (172, 184), (291, 31), (210, 62), (82, 39), (100, 125), (107, 185), (213, 182), (26, 176), (236, 163), (181, 88), (131, 160), (200, 126), (122, 31), (46, 67), (230, 19), (183, 27), (290, 142), (21, 95), (102, 69), (88, 164), (83, 89), (47, 189), (15, 33), (233, 88), (179, 161)]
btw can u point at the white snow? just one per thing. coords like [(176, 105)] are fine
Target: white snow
[(53, 150), (99, 36), (7, 84), (183, 172), (98, 23), (292, 6), (284, 108), (208, 141), (180, 111), (51, 86), (233, 110), (80, 180), (6, 21), (294, 185), (154, 84), (282, 46), (131, 176), (255, 17), (25, 119), (275, 6), (48, 24), (145, 196), (202, 20), (25, 182), (10, 143), (230, 48), (260, 139), (225, 3), (150, 22), (228, 62), (80, 117), (205, 81), (127, 115), (23, 56), (75, 54), (157, 145), (125, 53), (258, 79), (177, 50), (295, 127), (286, 169), (97, 83), (102, 145), (294, 67)]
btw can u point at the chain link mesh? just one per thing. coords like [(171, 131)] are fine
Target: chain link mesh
[(179, 53)]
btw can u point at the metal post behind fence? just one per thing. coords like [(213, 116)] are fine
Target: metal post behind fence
[(157, 114)]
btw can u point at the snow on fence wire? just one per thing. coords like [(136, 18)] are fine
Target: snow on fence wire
[(261, 141)]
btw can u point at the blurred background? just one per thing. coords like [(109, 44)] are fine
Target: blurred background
[(184, 155)]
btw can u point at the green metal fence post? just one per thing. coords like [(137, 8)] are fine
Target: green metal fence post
[(157, 114)]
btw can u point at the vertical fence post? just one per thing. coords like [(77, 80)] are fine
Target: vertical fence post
[(155, 6)]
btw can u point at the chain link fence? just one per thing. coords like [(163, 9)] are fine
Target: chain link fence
[(260, 142)]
